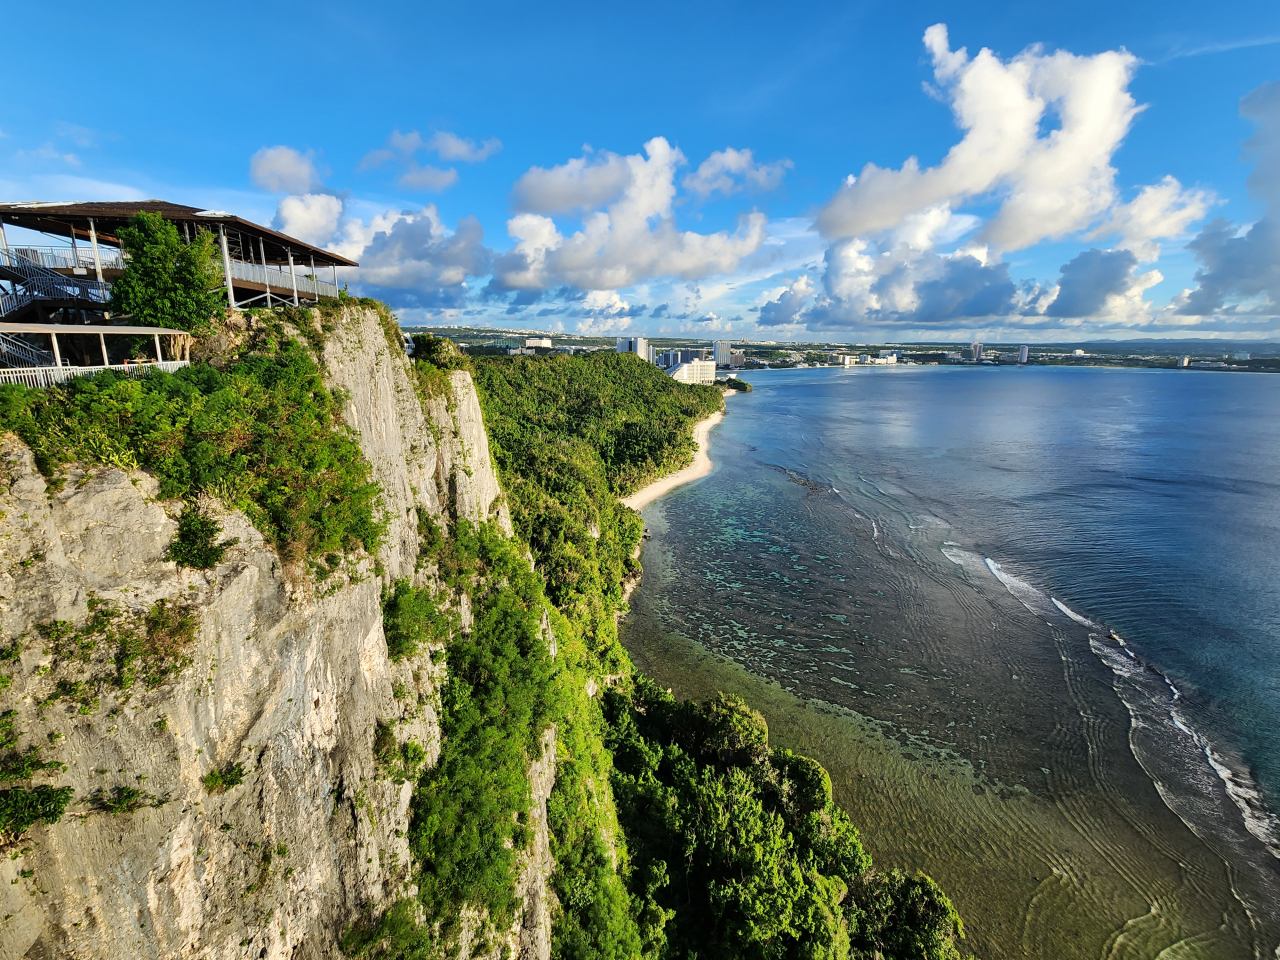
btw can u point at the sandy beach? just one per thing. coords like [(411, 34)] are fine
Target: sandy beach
[(700, 467)]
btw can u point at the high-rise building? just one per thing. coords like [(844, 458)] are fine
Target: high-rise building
[(1023, 353), (637, 345), (724, 353), (532, 342), (694, 371), (976, 347)]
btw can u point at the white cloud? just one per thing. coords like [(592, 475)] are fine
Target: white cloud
[(414, 252), (1050, 183), (1159, 211), (450, 146), (580, 184), (312, 217), (283, 169), (603, 326), (728, 171), (429, 178), (787, 303), (634, 238), (49, 152)]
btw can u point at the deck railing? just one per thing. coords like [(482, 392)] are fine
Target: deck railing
[(48, 376), (281, 282), (66, 258)]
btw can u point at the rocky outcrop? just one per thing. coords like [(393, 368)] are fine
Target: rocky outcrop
[(281, 688)]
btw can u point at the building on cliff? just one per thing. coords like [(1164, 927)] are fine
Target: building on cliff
[(71, 280)]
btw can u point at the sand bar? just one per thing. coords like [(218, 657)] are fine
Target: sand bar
[(700, 467)]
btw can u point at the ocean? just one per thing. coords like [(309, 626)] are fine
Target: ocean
[(1030, 620)]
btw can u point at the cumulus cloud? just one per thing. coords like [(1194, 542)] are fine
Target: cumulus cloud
[(1240, 269), (402, 149), (312, 217), (1051, 182), (49, 152), (1089, 279), (283, 170), (414, 254), (580, 184), (1159, 210), (786, 307), (728, 171), (632, 239), (450, 146), (603, 326)]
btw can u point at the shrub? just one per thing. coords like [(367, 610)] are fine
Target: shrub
[(21, 809), (265, 435), (220, 781), (167, 282), (410, 618), (195, 544)]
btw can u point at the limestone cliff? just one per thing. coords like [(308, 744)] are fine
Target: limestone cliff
[(281, 687)]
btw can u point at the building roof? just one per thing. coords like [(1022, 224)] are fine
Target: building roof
[(243, 236), (91, 328)]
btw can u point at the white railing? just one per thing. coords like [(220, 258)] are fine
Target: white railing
[(65, 258), (280, 281), (48, 376)]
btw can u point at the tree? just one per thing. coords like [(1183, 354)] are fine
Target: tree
[(166, 282)]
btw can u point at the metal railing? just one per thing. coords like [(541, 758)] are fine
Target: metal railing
[(280, 281), (48, 376), (38, 282), (67, 258), (16, 352)]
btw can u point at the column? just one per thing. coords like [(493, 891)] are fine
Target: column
[(102, 342), (292, 275), (335, 280), (266, 280), (57, 354), (159, 354), (4, 241), (226, 267), (97, 260)]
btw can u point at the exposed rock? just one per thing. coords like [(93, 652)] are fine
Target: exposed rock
[(288, 679)]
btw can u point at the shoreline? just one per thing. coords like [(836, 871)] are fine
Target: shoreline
[(700, 467)]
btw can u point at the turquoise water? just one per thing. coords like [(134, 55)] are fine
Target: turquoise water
[(1067, 577)]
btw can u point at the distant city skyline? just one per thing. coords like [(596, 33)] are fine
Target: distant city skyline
[(851, 172)]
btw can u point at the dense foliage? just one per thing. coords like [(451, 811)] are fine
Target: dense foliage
[(265, 435), (197, 545), (742, 848), (571, 434), (167, 282)]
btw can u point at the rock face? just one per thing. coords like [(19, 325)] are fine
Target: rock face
[(287, 680)]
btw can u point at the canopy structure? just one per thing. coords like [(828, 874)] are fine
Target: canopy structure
[(103, 220), (259, 264), (77, 349)]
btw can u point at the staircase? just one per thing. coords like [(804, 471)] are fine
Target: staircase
[(33, 282), (15, 352)]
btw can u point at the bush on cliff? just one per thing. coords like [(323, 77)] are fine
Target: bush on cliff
[(264, 435)]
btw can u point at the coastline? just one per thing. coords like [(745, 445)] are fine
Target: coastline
[(700, 467)]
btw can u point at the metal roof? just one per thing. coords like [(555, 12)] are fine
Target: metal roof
[(93, 328), (58, 217)]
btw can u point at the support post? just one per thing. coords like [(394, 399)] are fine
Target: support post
[(226, 267), (315, 281), (266, 280), (57, 354), (292, 275), (159, 354), (4, 241), (335, 280), (102, 342), (97, 260)]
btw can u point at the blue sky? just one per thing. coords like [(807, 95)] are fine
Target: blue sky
[(1079, 169)]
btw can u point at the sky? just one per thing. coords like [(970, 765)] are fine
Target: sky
[(852, 172)]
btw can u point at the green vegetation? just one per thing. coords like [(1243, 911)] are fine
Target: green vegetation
[(21, 809), (196, 544), (470, 811), (742, 848), (167, 282), (120, 800), (264, 435), (411, 617), (220, 781)]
